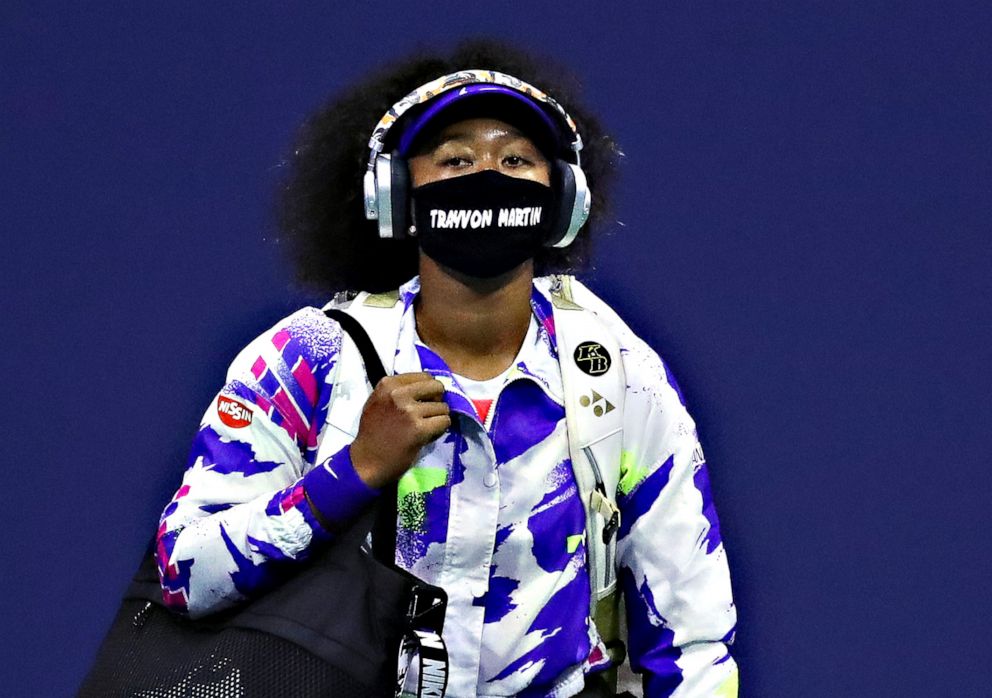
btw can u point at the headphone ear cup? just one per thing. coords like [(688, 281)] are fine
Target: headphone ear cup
[(400, 198), (573, 204), (564, 188), (392, 190)]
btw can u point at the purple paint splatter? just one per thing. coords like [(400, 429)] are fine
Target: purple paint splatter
[(226, 457), (545, 319), (249, 578), (502, 534), (558, 515), (637, 503), (497, 601), (524, 417), (267, 549), (565, 612), (652, 645), (702, 482)]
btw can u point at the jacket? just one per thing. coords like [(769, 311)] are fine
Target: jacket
[(489, 511)]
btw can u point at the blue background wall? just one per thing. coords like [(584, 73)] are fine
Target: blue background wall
[(805, 237)]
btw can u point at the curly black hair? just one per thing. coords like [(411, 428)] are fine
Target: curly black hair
[(320, 203)]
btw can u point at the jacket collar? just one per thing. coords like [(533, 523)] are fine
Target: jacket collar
[(536, 361)]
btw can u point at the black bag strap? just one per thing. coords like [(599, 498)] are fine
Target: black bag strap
[(425, 615), (384, 529), (370, 357)]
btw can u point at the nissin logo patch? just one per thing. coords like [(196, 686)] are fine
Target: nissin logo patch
[(233, 413)]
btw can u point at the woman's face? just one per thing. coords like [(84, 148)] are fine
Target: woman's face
[(473, 145)]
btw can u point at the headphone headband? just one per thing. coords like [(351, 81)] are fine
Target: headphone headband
[(441, 103), (453, 81)]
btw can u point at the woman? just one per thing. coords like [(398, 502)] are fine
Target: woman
[(476, 185)]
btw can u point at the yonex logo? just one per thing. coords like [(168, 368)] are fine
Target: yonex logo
[(600, 405), (592, 358)]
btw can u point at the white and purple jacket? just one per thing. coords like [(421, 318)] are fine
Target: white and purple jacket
[(489, 511)]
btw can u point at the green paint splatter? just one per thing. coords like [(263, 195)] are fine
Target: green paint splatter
[(572, 542), (412, 510), (631, 474), (412, 492), (421, 479)]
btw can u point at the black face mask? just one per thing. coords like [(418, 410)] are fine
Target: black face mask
[(482, 224)]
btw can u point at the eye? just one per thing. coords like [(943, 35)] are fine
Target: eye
[(515, 161), (455, 161)]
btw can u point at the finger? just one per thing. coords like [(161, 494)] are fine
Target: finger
[(423, 391), (435, 426), (408, 378), (425, 410), (431, 389)]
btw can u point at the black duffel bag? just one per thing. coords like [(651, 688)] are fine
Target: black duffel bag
[(344, 624)]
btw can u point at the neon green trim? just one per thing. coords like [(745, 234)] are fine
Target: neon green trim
[(572, 542), (728, 689), (421, 480), (631, 474)]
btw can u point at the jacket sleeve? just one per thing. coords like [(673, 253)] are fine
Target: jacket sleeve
[(672, 566), (241, 518), (671, 563)]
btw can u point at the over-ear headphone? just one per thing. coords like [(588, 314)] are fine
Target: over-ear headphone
[(387, 178)]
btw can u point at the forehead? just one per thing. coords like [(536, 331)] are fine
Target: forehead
[(480, 130)]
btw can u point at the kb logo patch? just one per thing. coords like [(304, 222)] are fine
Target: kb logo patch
[(592, 358)]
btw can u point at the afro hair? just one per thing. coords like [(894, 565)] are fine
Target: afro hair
[(320, 202)]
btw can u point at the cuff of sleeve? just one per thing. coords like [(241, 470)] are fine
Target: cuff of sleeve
[(336, 490)]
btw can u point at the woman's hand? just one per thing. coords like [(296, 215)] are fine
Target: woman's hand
[(403, 413)]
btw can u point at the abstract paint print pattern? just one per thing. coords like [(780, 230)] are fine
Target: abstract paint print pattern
[(491, 514)]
